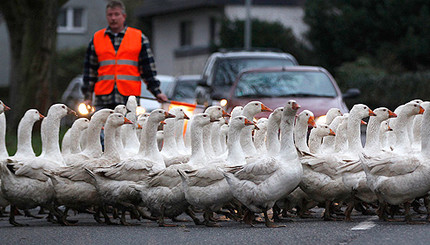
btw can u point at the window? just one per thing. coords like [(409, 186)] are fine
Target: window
[(186, 32), (71, 20)]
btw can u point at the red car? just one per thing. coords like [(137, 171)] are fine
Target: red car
[(312, 87)]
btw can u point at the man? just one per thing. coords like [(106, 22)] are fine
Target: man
[(116, 60)]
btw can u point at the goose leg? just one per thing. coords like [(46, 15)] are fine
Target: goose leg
[(161, 222), (248, 217), (427, 205), (12, 217), (28, 214), (348, 210), (269, 223), (191, 213), (327, 216), (208, 221), (144, 215), (106, 216)]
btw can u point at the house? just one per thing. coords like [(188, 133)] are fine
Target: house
[(77, 22), (182, 31)]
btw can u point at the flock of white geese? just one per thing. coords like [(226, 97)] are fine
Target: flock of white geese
[(235, 167)]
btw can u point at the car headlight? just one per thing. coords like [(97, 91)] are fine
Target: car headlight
[(223, 102), (140, 110), (321, 120), (85, 109)]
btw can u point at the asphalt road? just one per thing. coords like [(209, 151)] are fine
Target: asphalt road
[(363, 230)]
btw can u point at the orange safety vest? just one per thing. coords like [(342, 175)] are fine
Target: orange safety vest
[(119, 67)]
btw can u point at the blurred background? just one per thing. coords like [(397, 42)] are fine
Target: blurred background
[(379, 47)]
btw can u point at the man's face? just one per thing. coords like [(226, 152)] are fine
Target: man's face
[(115, 19)]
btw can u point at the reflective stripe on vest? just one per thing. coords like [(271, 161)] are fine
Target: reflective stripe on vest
[(121, 67)]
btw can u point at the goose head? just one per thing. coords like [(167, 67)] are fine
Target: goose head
[(237, 111), (81, 123), (131, 104), (179, 113), (291, 108), (240, 122), (201, 119), (361, 111), (215, 112), (412, 108), (101, 115), (3, 107), (34, 115), (276, 115), (158, 115), (59, 111), (383, 113), (253, 108), (332, 114), (306, 117), (121, 109), (117, 119), (323, 130)]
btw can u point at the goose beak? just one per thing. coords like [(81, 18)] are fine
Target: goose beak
[(139, 126), (332, 133), (41, 116), (371, 113), (421, 110), (265, 108), (186, 117), (70, 111), (247, 122), (214, 120), (169, 115), (391, 114), (363, 122), (162, 122), (389, 128), (127, 121), (6, 108), (311, 121), (295, 106), (225, 114)]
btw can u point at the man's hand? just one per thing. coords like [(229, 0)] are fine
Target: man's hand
[(161, 98)]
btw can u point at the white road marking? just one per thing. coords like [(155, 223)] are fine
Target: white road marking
[(365, 225)]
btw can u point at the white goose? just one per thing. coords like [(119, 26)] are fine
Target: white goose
[(320, 180), (128, 132), (258, 185), (24, 184), (304, 119), (205, 187), (70, 144), (3, 108), (73, 188), (400, 179), (249, 111), (25, 126), (260, 136)]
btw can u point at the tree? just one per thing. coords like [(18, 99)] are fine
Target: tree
[(394, 32), (32, 26)]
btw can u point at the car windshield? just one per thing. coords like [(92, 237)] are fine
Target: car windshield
[(228, 69), (285, 84), (184, 90)]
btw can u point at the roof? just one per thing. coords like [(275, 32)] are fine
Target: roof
[(159, 7)]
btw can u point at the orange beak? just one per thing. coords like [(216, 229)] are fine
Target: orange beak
[(225, 114), (371, 113), (295, 106), (391, 114), (185, 116), (6, 108), (421, 110), (389, 128), (70, 111), (265, 108), (163, 122), (168, 115), (139, 126), (332, 133), (363, 122), (311, 121), (127, 121), (41, 116), (247, 122)]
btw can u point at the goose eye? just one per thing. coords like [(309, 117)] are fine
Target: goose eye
[(204, 115), (307, 114), (111, 112), (64, 107), (159, 111), (384, 110)]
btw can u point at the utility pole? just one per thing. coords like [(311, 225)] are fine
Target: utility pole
[(248, 27)]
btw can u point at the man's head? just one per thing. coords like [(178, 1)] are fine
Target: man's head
[(115, 15)]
